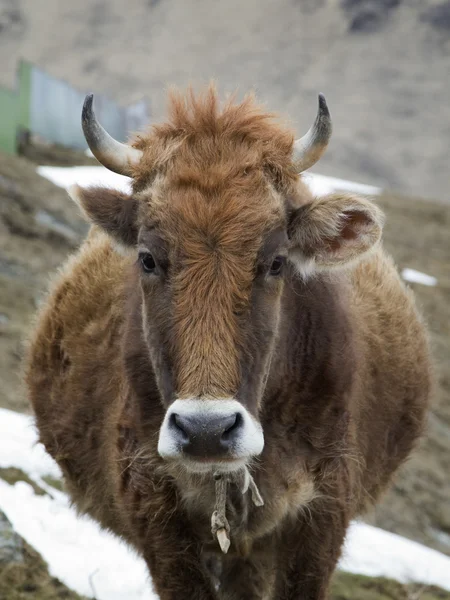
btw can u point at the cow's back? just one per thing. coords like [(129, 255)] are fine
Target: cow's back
[(74, 374), (395, 379)]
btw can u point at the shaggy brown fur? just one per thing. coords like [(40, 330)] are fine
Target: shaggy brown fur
[(331, 356)]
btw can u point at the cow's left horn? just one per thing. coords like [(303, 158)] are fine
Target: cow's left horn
[(114, 155), (309, 148)]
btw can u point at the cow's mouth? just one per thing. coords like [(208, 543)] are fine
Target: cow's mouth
[(208, 466)]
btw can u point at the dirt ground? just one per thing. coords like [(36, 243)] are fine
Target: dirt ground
[(416, 233)]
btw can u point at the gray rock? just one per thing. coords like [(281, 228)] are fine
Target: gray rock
[(367, 16), (12, 20), (11, 545), (438, 16)]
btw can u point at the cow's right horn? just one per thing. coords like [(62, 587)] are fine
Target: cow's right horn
[(112, 154), (309, 148)]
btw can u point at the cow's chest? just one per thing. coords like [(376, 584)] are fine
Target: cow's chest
[(284, 484)]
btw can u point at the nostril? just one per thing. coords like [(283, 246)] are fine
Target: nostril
[(176, 423), (205, 435), (232, 427), (231, 422)]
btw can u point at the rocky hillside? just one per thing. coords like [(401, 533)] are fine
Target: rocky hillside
[(383, 65), (39, 226)]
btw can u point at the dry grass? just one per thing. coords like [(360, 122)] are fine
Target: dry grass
[(12, 475), (347, 586)]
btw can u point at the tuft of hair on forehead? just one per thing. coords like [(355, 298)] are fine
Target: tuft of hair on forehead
[(204, 113), (200, 125)]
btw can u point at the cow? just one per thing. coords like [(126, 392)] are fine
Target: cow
[(229, 369)]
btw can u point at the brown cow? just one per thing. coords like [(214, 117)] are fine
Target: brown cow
[(224, 340)]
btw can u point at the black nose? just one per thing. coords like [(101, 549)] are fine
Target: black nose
[(206, 436)]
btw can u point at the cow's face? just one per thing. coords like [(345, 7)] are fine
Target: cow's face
[(211, 267), (214, 233)]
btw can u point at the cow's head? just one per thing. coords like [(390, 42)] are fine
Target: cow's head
[(217, 220)]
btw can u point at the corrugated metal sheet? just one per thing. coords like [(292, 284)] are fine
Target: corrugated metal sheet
[(51, 108), (55, 112)]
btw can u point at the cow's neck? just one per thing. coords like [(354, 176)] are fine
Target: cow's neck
[(312, 372)]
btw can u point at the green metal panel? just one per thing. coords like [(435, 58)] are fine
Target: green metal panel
[(24, 82), (51, 108), (8, 120)]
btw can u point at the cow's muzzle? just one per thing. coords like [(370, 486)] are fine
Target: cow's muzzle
[(207, 434)]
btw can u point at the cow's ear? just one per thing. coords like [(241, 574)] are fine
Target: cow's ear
[(333, 232), (113, 211)]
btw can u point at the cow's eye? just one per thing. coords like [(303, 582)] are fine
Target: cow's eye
[(147, 262), (277, 265)]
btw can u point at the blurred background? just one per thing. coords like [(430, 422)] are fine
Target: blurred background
[(384, 66)]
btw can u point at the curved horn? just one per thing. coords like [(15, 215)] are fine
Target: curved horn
[(109, 152), (309, 148)]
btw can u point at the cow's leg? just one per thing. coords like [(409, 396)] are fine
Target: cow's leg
[(308, 554), (169, 546), (173, 558), (250, 578)]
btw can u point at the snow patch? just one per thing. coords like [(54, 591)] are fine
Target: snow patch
[(77, 551), (378, 553), (19, 446), (86, 559), (320, 185), (85, 176), (414, 276)]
